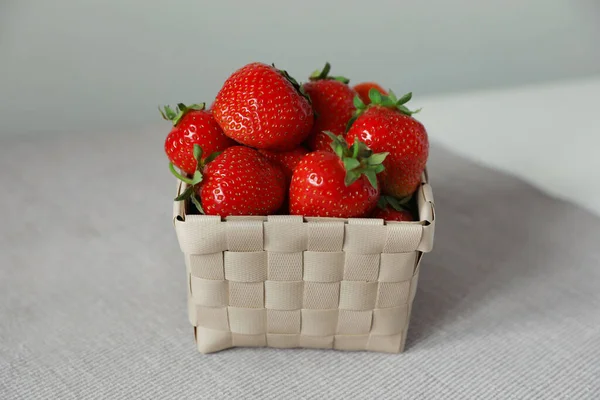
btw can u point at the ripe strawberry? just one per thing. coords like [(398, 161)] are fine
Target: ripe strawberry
[(332, 100), (392, 209), (192, 125), (238, 181), (263, 107), (362, 89), (287, 160), (386, 125), (342, 185)]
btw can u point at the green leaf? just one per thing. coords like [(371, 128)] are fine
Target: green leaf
[(351, 163), (315, 75), (355, 147), (388, 102), (338, 149), (404, 110), (186, 194), (321, 74), (342, 79), (404, 99), (392, 96), (405, 200), (162, 113), (372, 177), (197, 178), (331, 136), (325, 71), (197, 106), (379, 168), (169, 114), (351, 177), (197, 152), (197, 203), (181, 107), (377, 158), (363, 151), (381, 202), (350, 122), (394, 203), (178, 175), (358, 103), (287, 76), (212, 157), (338, 143), (375, 96), (294, 83)]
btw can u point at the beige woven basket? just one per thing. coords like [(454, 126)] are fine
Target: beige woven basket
[(286, 281)]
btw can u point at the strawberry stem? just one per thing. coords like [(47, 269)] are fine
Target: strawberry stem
[(294, 83), (390, 101), (175, 115), (324, 74), (357, 159), (396, 204), (378, 99), (197, 178), (178, 175)]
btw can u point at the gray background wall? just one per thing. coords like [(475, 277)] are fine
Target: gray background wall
[(96, 66)]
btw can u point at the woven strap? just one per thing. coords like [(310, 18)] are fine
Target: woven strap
[(285, 281)]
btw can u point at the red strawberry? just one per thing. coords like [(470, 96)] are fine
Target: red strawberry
[(239, 181), (386, 125), (263, 107), (332, 100), (362, 89), (389, 214), (287, 160), (342, 185), (391, 209), (192, 125)]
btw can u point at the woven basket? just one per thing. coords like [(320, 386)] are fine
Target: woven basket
[(286, 281)]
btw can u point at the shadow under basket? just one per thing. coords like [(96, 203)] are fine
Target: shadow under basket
[(286, 281)]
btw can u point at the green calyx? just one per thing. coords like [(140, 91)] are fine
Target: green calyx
[(324, 74), (294, 83), (379, 99), (175, 115), (358, 159), (197, 178), (396, 204)]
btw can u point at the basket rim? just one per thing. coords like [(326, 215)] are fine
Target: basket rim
[(426, 207)]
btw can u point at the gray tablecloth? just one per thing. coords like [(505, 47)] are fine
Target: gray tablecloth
[(92, 290)]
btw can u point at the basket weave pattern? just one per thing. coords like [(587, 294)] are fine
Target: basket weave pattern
[(287, 281)]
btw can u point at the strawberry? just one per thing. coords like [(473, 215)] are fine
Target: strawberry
[(287, 160), (387, 125), (192, 125), (332, 100), (362, 89), (263, 107), (341, 184), (239, 181), (392, 209)]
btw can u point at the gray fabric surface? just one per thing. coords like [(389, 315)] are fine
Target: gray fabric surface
[(92, 290)]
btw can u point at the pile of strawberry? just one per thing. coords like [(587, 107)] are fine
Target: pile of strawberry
[(269, 145)]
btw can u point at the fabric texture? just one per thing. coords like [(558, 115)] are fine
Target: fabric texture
[(93, 304)]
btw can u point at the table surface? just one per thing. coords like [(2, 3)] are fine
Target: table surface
[(93, 301)]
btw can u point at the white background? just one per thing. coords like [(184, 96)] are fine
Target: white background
[(96, 67)]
